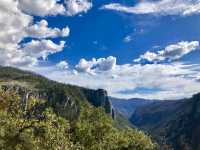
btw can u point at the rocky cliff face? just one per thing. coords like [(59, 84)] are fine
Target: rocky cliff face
[(63, 103), (65, 99), (99, 98)]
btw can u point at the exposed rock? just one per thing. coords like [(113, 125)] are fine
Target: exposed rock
[(66, 107), (62, 103), (99, 98)]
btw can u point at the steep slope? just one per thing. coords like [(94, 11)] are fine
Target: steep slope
[(155, 114), (128, 106), (39, 127), (174, 124), (37, 113), (64, 98)]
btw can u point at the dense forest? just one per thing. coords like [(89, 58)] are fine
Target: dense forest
[(58, 117)]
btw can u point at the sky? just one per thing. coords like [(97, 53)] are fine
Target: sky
[(132, 48)]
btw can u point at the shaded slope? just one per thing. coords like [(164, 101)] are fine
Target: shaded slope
[(174, 124), (58, 95), (128, 106), (37, 113)]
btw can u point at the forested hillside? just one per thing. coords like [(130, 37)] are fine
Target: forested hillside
[(174, 124), (36, 113)]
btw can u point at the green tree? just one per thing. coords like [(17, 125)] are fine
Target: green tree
[(95, 130), (17, 132)]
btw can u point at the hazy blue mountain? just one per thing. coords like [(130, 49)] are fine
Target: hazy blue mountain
[(174, 124), (128, 106)]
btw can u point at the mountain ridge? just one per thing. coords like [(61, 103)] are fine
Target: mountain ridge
[(174, 124), (38, 85), (127, 106), (37, 113)]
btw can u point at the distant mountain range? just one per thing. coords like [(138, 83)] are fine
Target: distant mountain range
[(128, 106), (173, 124)]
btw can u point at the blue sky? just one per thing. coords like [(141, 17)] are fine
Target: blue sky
[(145, 49), (101, 33)]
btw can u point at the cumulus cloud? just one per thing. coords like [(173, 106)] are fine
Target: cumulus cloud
[(105, 64), (95, 65), (161, 7), (42, 48), (74, 7), (85, 66), (54, 7), (171, 52), (21, 25), (173, 81), (62, 65), (16, 57), (15, 26), (41, 7), (12, 23), (41, 30)]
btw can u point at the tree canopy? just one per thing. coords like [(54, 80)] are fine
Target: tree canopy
[(92, 130)]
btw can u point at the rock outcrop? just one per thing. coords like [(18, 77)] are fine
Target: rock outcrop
[(65, 99), (65, 106), (61, 102), (99, 98)]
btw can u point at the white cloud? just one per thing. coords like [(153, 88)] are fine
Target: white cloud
[(41, 7), (127, 39), (105, 64), (95, 65), (161, 7), (85, 66), (15, 26), (54, 7), (42, 48), (173, 81), (16, 23), (62, 65), (12, 23), (41, 30), (74, 7), (150, 56), (171, 52)]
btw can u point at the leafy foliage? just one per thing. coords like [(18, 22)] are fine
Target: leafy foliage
[(56, 116), (93, 130), (18, 132)]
